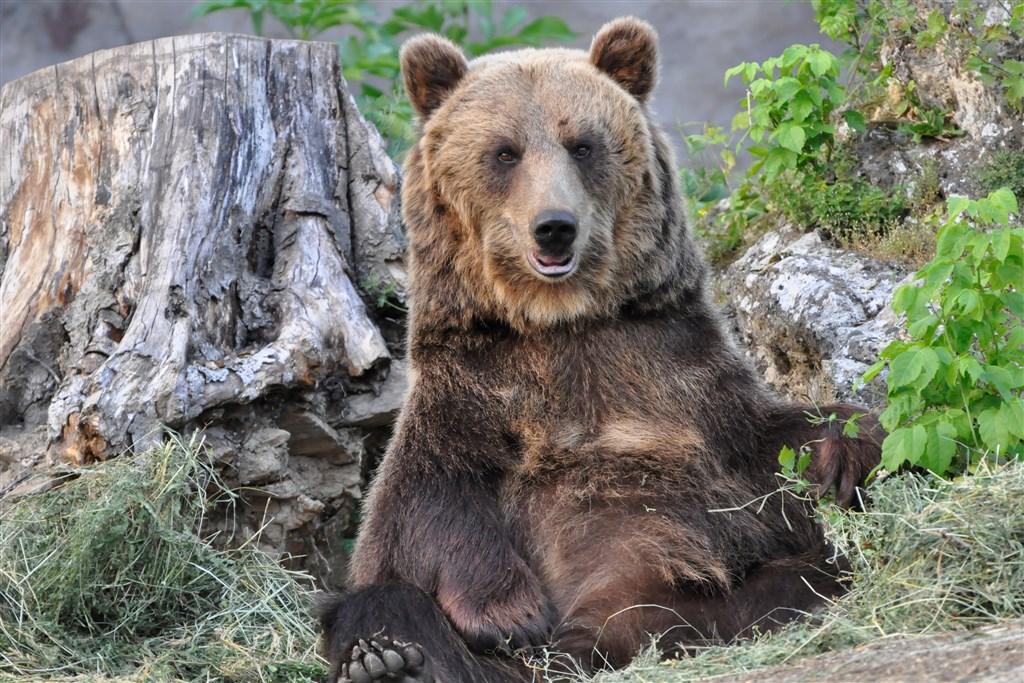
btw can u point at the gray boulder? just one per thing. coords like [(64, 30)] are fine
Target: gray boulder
[(813, 317)]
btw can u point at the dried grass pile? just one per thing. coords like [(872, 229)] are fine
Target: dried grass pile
[(107, 576)]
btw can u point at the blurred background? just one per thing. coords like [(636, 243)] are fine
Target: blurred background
[(700, 38)]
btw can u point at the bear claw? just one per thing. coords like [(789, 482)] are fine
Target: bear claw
[(381, 659)]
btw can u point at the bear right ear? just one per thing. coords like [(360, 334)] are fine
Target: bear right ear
[(431, 67), (627, 50)]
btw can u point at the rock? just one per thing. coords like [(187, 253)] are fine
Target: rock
[(262, 457), (943, 79), (376, 410), (991, 653), (890, 159), (812, 316)]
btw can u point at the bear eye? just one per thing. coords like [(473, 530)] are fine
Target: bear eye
[(507, 156), (581, 151)]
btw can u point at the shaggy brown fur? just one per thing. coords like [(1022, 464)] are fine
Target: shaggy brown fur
[(574, 461)]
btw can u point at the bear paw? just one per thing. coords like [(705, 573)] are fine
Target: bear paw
[(381, 659)]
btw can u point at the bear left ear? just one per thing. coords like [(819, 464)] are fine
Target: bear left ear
[(431, 68), (627, 50)]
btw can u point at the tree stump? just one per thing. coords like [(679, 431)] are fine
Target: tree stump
[(186, 225)]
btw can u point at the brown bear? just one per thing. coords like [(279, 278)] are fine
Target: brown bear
[(584, 459)]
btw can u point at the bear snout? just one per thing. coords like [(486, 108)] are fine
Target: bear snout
[(554, 231)]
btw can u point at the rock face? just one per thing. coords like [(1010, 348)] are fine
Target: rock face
[(186, 224), (813, 317), (942, 77)]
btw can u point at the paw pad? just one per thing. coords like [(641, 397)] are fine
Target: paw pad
[(380, 659)]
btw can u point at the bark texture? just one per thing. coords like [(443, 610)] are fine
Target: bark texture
[(186, 225)]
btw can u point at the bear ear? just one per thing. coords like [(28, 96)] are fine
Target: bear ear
[(431, 67), (627, 50)]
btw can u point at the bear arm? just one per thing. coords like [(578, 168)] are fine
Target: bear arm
[(838, 462), (432, 520)]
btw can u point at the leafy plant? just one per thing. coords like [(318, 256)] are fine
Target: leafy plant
[(930, 122), (954, 389), (788, 114), (385, 295), (370, 55)]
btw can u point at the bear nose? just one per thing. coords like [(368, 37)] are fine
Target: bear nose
[(554, 230)]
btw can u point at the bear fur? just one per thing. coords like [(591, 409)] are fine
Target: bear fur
[(584, 458)]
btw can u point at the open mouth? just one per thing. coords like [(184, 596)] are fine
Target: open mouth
[(552, 267)]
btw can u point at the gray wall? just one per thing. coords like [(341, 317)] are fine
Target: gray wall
[(700, 39)]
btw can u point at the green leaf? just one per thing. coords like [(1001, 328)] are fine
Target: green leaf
[(904, 445), (923, 327), (956, 205), (821, 62), (1014, 86), (851, 429), (994, 429), (1014, 409), (778, 160), (1015, 302), (1000, 240), (1002, 379), (804, 461), (791, 137), (801, 106), (734, 71), (940, 449), (900, 407), (513, 17), (786, 87), (1004, 200), (787, 458), (544, 29), (906, 368), (872, 371), (855, 120), (793, 54), (969, 301)]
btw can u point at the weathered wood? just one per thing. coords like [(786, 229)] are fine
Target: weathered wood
[(185, 224)]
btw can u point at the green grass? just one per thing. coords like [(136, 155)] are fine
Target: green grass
[(106, 576)]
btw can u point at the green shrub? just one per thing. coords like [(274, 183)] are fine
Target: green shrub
[(370, 56), (845, 209), (1005, 168), (954, 389)]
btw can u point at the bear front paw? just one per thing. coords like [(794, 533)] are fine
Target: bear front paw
[(512, 623)]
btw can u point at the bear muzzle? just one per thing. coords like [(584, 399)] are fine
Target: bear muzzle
[(554, 232)]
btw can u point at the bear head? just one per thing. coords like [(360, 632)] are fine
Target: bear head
[(541, 192)]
